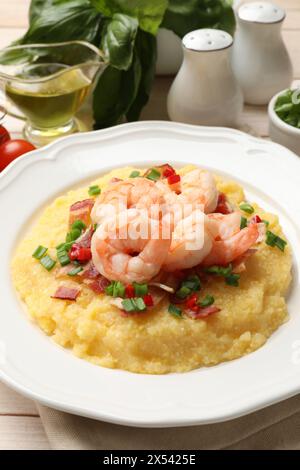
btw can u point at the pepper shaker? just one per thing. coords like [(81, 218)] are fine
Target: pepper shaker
[(260, 59), (205, 91)]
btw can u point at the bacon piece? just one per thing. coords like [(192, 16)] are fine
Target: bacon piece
[(89, 271), (223, 207), (66, 293), (202, 313), (97, 285), (81, 210), (85, 240), (115, 180)]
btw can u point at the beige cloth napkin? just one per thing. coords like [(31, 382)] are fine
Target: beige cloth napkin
[(275, 427)]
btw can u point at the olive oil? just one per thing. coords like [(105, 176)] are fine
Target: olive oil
[(52, 102)]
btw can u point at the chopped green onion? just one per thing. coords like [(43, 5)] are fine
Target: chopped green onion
[(232, 279), (207, 301), (244, 223), (63, 257), (220, 270), (128, 305), (134, 305), (64, 246), (47, 262), (153, 175), (110, 289), (140, 304), (39, 252), (134, 174), (192, 282), (95, 227), (75, 271), (140, 289), (274, 240), (73, 235), (78, 224), (94, 190), (247, 208), (183, 292), (175, 311), (118, 289), (266, 222)]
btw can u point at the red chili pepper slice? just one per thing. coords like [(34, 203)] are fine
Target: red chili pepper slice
[(173, 179), (168, 172), (256, 219), (80, 253), (191, 302), (129, 291), (148, 299)]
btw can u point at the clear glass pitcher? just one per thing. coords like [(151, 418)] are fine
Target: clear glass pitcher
[(46, 84)]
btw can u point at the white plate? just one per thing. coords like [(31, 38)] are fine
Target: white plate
[(35, 366)]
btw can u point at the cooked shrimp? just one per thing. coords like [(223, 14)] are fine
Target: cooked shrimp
[(191, 243), (227, 250), (126, 194), (199, 187), (129, 247), (223, 226)]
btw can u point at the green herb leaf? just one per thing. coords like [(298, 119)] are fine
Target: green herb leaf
[(115, 92), (119, 39), (188, 15), (175, 311), (39, 252), (57, 20), (149, 13), (145, 45)]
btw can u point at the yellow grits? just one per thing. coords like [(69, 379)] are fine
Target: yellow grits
[(154, 342)]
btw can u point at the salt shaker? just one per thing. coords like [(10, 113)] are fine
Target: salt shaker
[(260, 59), (205, 91)]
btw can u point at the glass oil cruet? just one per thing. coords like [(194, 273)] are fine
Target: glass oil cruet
[(46, 84)]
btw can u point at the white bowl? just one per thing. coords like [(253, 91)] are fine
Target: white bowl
[(281, 132)]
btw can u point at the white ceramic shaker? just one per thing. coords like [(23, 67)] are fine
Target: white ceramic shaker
[(205, 91), (259, 58)]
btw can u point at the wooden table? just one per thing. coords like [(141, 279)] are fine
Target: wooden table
[(20, 424)]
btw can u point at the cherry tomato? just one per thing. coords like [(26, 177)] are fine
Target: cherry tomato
[(4, 135), (12, 149)]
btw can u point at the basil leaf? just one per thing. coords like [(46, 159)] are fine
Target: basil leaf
[(118, 40), (63, 21), (149, 13), (115, 92), (183, 17), (146, 50)]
